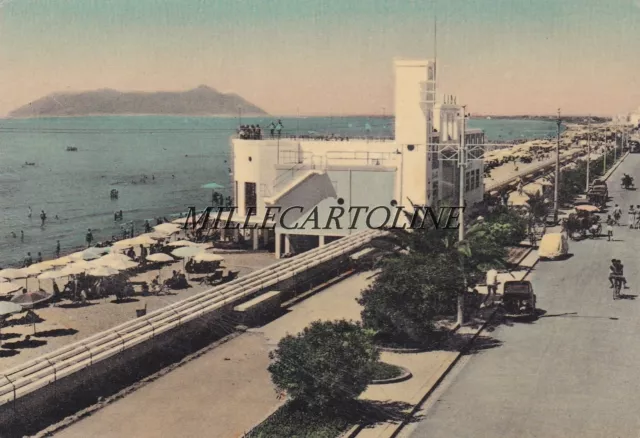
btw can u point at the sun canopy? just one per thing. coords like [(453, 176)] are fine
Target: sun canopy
[(179, 243), (30, 299), (187, 251), (8, 308), (13, 274), (213, 186), (167, 228)]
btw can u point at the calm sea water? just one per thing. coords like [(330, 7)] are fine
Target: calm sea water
[(115, 152)]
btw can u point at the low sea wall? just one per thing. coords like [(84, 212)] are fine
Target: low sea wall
[(45, 390)]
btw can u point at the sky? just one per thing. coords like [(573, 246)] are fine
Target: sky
[(329, 57)]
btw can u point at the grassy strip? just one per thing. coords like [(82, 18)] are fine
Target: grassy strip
[(294, 422), (386, 371)]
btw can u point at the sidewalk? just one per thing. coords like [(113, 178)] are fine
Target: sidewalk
[(428, 368)]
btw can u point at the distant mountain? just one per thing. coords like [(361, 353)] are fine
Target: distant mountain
[(199, 101)]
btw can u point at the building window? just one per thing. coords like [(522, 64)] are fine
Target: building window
[(467, 183), (478, 182), (250, 199)]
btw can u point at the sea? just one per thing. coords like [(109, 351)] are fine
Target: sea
[(177, 155)]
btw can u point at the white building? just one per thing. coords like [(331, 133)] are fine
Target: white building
[(322, 176)]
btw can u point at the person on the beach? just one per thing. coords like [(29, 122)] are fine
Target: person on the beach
[(43, 217), (147, 226), (39, 258), (13, 234), (258, 133), (21, 236), (30, 213), (279, 128), (28, 261), (89, 237), (143, 254), (57, 248), (272, 128)]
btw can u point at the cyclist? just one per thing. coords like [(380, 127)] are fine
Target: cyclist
[(620, 267)]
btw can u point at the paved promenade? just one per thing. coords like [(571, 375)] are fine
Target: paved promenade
[(224, 392)]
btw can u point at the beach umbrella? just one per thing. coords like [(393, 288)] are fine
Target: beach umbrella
[(50, 275), (102, 271), (62, 261), (589, 208), (182, 243), (160, 258), (207, 257), (157, 236), (180, 221), (8, 288), (94, 252), (187, 251), (145, 240), (9, 308), (167, 228), (13, 274), (126, 243), (35, 270), (117, 264), (29, 299), (212, 186), (75, 268)]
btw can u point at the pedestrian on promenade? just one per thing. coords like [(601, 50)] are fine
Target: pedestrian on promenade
[(610, 223), (632, 216), (89, 237), (57, 248), (492, 285), (617, 214), (272, 128), (279, 128)]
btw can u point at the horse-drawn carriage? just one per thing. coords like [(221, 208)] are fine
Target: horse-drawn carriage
[(581, 224)]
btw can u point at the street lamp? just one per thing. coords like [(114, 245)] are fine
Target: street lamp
[(557, 178), (588, 150)]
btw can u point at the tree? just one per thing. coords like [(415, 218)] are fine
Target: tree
[(410, 292), (326, 365), (538, 207)]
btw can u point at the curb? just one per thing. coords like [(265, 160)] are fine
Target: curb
[(463, 350), (612, 170)]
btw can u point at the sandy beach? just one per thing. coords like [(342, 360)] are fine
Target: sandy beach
[(64, 323)]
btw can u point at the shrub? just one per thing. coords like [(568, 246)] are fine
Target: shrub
[(326, 365), (410, 292)]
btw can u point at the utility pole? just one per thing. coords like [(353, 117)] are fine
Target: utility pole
[(462, 165), (588, 151), (606, 150), (557, 178)]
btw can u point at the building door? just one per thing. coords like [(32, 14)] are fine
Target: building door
[(250, 198)]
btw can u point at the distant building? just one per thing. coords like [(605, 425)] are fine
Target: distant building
[(318, 174)]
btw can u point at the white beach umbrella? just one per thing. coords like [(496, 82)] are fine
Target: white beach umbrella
[(207, 257), (182, 243), (187, 251), (160, 258), (146, 239), (35, 270), (8, 288), (179, 221), (62, 261), (167, 228), (49, 275), (76, 268), (117, 264), (13, 274), (102, 271), (126, 243)]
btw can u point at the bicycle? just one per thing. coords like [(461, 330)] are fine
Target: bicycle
[(617, 286)]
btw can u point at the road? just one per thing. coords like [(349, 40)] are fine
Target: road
[(575, 372)]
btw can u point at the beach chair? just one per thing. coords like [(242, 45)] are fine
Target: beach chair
[(231, 275), (141, 312), (211, 279)]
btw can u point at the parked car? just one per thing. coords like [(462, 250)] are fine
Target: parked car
[(553, 246), (518, 299)]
